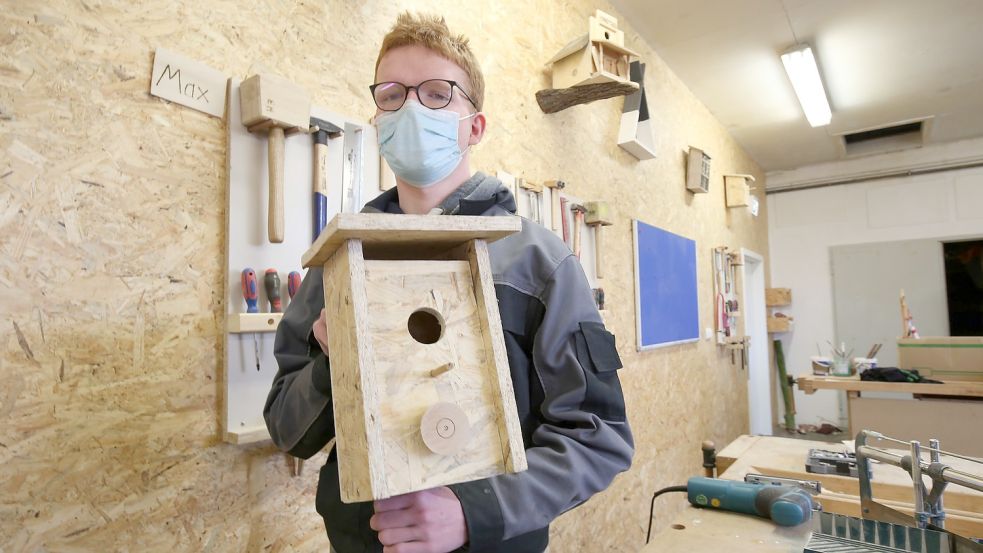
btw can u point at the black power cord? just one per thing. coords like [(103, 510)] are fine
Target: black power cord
[(648, 534)]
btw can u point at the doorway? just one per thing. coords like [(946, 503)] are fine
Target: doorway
[(756, 329)]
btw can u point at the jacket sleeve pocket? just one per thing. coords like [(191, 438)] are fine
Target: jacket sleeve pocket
[(598, 356)]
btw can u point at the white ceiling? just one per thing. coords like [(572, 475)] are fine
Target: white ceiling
[(883, 61)]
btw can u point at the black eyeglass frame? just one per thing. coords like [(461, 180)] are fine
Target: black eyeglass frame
[(408, 88)]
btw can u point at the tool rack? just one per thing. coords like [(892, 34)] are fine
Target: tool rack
[(244, 388)]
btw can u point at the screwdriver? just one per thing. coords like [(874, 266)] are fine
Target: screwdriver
[(250, 292), (293, 284), (272, 282)]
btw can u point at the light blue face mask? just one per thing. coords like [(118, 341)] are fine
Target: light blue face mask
[(419, 143)]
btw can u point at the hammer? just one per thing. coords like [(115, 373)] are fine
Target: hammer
[(274, 104), (321, 131), (598, 216), (578, 217), (555, 186)]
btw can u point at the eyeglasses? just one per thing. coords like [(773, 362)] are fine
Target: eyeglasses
[(432, 93)]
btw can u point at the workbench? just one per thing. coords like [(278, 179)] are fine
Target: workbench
[(918, 418), (698, 530)]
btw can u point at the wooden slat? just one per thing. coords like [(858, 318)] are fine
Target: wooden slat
[(491, 330), (778, 324), (778, 297), (955, 497), (352, 380), (400, 231), (248, 435), (810, 383)]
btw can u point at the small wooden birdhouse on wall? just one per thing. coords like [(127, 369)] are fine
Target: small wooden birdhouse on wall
[(697, 171), (420, 380), (596, 57)]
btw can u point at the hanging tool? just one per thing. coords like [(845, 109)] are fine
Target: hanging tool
[(250, 290), (534, 194), (578, 225), (275, 105), (563, 220), (293, 284), (272, 281), (250, 293), (598, 216), (351, 200), (322, 131), (555, 186)]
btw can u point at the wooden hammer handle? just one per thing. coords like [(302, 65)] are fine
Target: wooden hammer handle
[(275, 209), (598, 255), (557, 212), (577, 229)]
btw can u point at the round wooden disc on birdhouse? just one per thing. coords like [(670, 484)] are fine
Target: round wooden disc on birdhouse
[(445, 428)]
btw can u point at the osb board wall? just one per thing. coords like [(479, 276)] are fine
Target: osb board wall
[(111, 248)]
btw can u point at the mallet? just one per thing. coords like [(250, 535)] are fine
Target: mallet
[(555, 187), (578, 217), (322, 131), (598, 216), (274, 104)]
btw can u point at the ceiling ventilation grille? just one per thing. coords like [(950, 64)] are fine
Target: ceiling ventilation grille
[(884, 139)]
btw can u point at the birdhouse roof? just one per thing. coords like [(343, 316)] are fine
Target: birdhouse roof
[(406, 236), (582, 42)]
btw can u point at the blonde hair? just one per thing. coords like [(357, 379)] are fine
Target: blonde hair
[(430, 31)]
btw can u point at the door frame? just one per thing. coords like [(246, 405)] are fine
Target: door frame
[(760, 413)]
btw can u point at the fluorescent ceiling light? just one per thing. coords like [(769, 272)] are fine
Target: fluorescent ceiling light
[(802, 70)]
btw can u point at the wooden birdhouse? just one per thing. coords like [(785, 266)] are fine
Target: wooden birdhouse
[(737, 190), (420, 379), (597, 57), (697, 171)]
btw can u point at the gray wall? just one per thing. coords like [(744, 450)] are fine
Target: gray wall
[(867, 279)]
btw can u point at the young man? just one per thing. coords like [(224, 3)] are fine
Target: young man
[(429, 91)]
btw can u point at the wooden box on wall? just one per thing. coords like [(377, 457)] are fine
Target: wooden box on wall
[(420, 379), (697, 171), (737, 189)]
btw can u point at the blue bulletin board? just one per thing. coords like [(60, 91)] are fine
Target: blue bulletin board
[(666, 308)]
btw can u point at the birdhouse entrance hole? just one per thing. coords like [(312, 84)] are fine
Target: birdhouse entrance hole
[(425, 325)]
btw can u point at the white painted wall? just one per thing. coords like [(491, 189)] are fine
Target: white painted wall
[(803, 225)]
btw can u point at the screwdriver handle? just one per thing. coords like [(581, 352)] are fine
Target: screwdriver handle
[(293, 284), (272, 281), (250, 290)]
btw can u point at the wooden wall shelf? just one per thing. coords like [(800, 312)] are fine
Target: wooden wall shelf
[(249, 435), (253, 322)]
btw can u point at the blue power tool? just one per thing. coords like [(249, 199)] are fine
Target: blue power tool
[(785, 505)]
